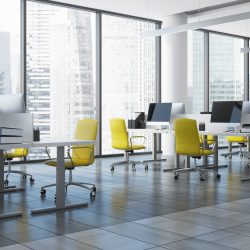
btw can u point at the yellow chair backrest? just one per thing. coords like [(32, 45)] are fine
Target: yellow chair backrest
[(86, 130), (119, 134), (187, 140), (21, 152)]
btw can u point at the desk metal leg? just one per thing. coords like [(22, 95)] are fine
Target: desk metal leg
[(154, 151), (2, 189), (248, 150), (60, 187)]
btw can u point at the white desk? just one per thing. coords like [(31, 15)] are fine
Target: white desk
[(60, 170)]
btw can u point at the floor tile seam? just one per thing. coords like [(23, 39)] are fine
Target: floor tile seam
[(127, 236), (230, 209), (94, 213), (195, 224), (65, 236), (103, 228), (29, 224), (216, 229), (241, 223), (56, 234), (120, 207), (195, 237), (15, 242), (22, 244), (226, 229)]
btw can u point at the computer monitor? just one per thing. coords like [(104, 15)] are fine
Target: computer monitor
[(159, 114), (178, 108), (12, 103), (226, 111)]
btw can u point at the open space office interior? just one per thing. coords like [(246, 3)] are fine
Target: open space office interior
[(124, 124)]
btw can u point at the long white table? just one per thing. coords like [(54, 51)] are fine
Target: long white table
[(213, 132), (60, 170)]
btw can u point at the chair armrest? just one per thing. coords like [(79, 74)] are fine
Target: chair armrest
[(204, 144), (47, 152), (79, 147), (137, 137)]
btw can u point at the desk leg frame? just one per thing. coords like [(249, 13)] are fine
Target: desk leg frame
[(3, 190), (60, 187)]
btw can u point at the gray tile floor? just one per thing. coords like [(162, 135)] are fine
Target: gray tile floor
[(132, 210)]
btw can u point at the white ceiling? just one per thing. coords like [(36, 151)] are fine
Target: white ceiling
[(160, 9), (154, 9)]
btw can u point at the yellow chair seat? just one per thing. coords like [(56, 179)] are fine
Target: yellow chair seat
[(237, 139), (13, 155), (68, 163), (133, 147)]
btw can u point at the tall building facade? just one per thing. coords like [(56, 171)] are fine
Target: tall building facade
[(128, 72), (5, 70), (60, 87)]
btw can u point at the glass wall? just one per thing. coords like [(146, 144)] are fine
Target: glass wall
[(195, 103), (226, 68), (60, 67), (10, 44), (128, 72)]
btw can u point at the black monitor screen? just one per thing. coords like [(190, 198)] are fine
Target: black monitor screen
[(159, 112), (226, 111)]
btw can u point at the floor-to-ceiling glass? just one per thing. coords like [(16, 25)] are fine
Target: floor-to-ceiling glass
[(195, 102), (128, 72), (10, 44), (60, 67), (226, 68)]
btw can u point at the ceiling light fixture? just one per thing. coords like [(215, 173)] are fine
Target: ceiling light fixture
[(198, 25)]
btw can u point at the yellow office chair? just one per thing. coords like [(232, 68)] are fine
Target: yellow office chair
[(78, 155), (241, 140), (121, 141), (187, 142), (9, 156)]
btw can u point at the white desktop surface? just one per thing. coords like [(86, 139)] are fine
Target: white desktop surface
[(60, 143), (47, 142), (149, 130)]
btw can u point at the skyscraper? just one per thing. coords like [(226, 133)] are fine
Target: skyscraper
[(5, 78)]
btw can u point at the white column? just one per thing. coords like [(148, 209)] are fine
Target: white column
[(174, 71)]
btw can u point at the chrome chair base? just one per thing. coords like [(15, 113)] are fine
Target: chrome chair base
[(85, 185)]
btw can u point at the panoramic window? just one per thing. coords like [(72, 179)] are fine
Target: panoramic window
[(226, 68), (60, 67), (128, 72), (195, 102), (10, 44)]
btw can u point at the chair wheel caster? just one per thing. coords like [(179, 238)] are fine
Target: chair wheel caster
[(202, 179), (6, 183), (43, 192), (32, 180), (112, 168), (146, 167), (92, 194), (218, 176), (176, 177)]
